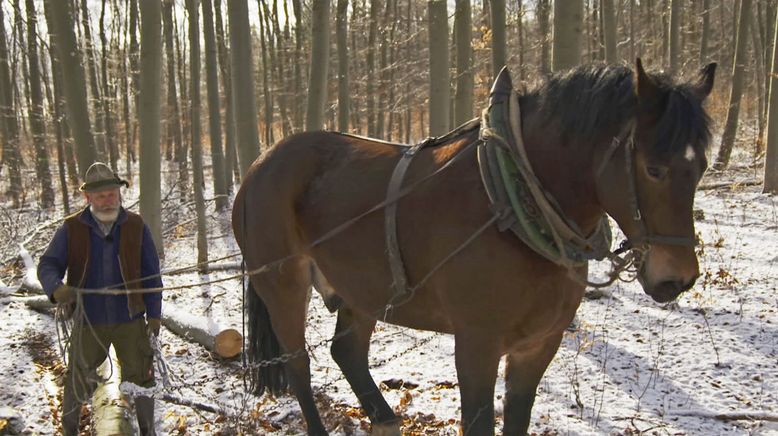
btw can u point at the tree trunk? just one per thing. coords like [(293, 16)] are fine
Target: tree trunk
[(738, 79), (297, 86), (229, 122), (110, 140), (214, 109), (266, 49), (371, 76), (520, 36), (61, 25), (463, 100), (174, 129), (10, 127), (438, 57), (317, 85), (499, 42), (194, 124), (705, 36), (242, 84), (544, 34), (674, 34), (341, 25), (609, 29), (771, 155), (760, 78), (92, 77), (148, 118), (568, 17), (37, 123), (135, 79), (60, 124)]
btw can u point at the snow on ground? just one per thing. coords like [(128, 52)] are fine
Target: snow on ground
[(629, 365)]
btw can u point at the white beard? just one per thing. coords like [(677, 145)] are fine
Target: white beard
[(104, 217)]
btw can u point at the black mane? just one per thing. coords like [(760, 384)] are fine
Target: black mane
[(591, 102)]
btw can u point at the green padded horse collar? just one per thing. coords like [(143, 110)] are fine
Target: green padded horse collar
[(515, 192)]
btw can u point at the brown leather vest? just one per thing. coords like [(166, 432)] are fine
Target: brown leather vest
[(130, 240)]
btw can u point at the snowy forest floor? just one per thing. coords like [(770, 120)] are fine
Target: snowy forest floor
[(627, 365)]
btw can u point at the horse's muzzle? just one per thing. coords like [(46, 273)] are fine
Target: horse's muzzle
[(666, 290)]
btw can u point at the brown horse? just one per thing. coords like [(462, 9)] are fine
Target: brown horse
[(496, 295)]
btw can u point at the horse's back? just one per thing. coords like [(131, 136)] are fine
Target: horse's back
[(300, 174)]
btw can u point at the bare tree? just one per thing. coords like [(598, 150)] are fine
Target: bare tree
[(438, 57), (674, 35), (214, 108), (771, 156), (61, 24), (8, 121), (197, 151), (543, 10), (148, 118), (499, 42), (230, 158), (463, 25), (37, 122), (243, 84), (736, 93), (341, 25), (317, 85), (568, 20), (609, 30), (705, 33)]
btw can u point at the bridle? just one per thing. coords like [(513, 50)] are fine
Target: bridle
[(644, 238)]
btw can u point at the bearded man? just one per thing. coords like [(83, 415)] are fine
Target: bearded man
[(105, 248)]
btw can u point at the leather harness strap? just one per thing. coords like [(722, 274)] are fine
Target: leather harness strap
[(399, 277)]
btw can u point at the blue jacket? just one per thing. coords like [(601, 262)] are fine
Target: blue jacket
[(103, 271)]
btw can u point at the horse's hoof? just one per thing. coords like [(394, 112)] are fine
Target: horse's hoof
[(386, 429)]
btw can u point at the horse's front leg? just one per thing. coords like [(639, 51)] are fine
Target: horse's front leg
[(523, 372), (477, 358)]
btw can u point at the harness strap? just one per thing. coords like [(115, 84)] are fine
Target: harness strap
[(396, 265)]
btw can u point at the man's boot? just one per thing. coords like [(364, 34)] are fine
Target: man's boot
[(71, 412), (144, 408)]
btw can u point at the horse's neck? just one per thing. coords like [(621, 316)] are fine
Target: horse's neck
[(565, 171)]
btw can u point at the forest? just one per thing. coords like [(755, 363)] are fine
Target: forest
[(181, 96)]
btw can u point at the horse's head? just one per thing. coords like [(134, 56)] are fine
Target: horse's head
[(650, 174)]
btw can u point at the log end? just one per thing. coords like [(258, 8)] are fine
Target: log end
[(228, 343)]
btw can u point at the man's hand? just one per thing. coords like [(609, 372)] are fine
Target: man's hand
[(65, 294), (153, 325)]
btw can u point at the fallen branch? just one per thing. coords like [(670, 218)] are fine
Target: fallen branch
[(38, 303), (730, 185), (730, 416), (194, 404), (226, 266)]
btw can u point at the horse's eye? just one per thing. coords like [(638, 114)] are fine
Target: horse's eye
[(656, 173)]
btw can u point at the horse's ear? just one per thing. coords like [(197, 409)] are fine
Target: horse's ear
[(705, 82), (645, 88)]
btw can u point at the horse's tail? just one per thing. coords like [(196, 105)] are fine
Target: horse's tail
[(263, 346)]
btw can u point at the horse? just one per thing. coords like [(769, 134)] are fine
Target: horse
[(599, 139)]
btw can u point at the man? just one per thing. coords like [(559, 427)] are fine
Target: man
[(105, 247)]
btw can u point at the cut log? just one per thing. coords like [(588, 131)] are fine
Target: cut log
[(227, 343), (109, 408)]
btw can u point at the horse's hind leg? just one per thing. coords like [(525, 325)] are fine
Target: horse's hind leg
[(287, 304), (523, 373), (349, 349)]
